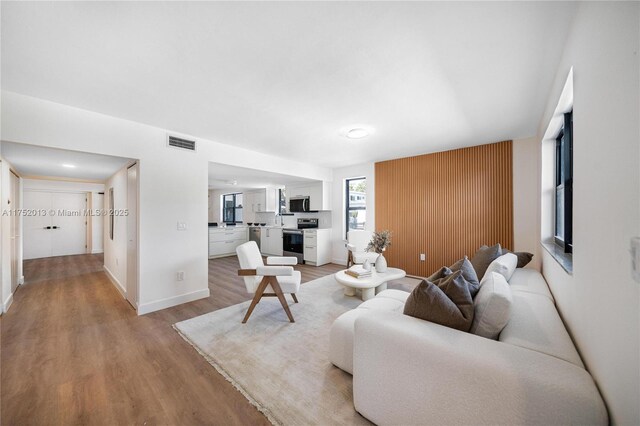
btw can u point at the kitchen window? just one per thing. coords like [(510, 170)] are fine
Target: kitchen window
[(232, 208), (282, 201), (355, 204), (563, 232)]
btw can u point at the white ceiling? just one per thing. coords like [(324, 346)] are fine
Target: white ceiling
[(31, 160), (220, 176), (289, 78)]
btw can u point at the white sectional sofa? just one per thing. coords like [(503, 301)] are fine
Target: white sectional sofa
[(409, 371)]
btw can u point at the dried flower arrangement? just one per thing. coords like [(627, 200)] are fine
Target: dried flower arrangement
[(380, 241)]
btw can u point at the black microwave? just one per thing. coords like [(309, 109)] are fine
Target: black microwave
[(299, 204)]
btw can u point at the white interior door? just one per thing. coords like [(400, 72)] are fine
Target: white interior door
[(14, 196), (57, 234), (69, 230), (132, 235), (37, 238)]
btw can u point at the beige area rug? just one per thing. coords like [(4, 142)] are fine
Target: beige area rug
[(282, 368)]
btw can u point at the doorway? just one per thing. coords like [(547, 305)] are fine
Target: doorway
[(132, 235)]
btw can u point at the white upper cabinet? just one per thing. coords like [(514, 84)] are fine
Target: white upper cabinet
[(319, 194), (258, 201)]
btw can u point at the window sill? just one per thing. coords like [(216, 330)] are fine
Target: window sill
[(564, 259)]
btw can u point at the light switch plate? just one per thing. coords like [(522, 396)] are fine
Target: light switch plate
[(423, 257)]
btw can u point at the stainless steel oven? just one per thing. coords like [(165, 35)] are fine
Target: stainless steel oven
[(293, 243)]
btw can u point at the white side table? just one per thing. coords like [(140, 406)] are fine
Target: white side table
[(370, 286)]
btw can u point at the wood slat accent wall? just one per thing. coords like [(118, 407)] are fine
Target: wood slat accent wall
[(445, 204)]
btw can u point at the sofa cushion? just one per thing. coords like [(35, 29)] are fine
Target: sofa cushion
[(529, 281), (492, 306), (505, 265), (383, 303), (483, 258), (523, 257), (535, 324), (448, 303), (398, 295)]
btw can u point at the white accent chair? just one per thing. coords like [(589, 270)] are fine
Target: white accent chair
[(270, 280), (357, 242)]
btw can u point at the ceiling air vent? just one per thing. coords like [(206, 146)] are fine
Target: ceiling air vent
[(181, 143)]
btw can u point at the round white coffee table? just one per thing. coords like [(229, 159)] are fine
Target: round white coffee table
[(370, 286)]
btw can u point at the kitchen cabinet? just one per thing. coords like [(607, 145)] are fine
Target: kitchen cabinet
[(223, 241), (271, 241), (317, 246), (319, 194), (258, 201)]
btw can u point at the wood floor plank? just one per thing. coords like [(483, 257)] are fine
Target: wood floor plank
[(73, 351)]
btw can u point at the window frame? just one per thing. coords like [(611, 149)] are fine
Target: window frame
[(347, 207), (282, 201), (235, 207), (564, 168)]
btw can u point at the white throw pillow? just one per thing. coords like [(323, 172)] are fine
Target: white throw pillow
[(505, 265), (492, 306)]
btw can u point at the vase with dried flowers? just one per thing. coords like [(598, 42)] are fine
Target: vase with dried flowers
[(379, 243)]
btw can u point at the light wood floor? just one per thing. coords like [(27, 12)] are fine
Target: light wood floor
[(74, 352)]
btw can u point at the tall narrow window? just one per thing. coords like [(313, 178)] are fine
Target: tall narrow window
[(355, 204), (232, 208), (563, 234), (282, 201)]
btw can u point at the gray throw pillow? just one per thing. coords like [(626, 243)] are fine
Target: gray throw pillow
[(468, 273), (440, 273), (523, 257), (483, 258), (447, 303)]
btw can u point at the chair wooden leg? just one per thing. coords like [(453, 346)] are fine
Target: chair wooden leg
[(349, 259), (278, 291), (295, 299), (256, 298)]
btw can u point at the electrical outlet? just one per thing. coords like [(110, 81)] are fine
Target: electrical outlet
[(182, 226), (180, 275), (423, 257)]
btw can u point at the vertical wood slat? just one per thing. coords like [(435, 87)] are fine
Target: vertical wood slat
[(445, 204)]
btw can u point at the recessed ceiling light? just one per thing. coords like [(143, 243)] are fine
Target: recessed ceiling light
[(358, 133), (69, 166)]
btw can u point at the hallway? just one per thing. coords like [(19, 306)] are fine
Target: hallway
[(74, 351)]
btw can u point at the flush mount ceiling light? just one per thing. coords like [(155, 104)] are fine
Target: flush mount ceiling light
[(232, 182), (69, 166), (357, 133)]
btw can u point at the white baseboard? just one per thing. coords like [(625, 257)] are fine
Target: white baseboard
[(339, 262), (115, 282), (21, 280), (157, 305), (97, 251), (7, 303)]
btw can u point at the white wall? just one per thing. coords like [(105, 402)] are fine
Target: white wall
[(173, 186), (115, 251), (526, 206), (61, 185), (366, 170), (600, 302)]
